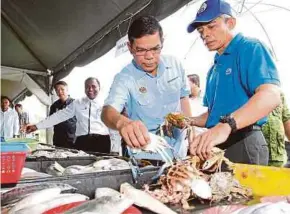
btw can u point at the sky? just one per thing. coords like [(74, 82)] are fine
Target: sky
[(190, 49)]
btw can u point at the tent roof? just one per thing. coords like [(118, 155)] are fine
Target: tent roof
[(59, 35)]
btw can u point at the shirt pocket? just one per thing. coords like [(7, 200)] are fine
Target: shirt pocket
[(174, 85)]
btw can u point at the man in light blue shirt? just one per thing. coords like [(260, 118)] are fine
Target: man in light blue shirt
[(150, 87)]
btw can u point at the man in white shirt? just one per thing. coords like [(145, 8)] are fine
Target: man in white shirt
[(196, 103), (9, 119), (91, 133)]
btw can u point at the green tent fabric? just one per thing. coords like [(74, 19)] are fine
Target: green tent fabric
[(52, 37)]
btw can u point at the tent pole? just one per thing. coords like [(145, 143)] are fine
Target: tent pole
[(49, 132)]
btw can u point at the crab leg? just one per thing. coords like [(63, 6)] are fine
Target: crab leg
[(164, 155)]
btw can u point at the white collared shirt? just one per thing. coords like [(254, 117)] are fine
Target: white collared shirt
[(81, 109), (9, 123)]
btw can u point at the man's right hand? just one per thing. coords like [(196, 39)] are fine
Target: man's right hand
[(135, 134), (30, 128)]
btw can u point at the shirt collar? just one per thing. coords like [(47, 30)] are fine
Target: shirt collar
[(9, 109), (232, 45)]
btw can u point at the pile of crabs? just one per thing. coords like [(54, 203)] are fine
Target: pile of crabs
[(193, 178)]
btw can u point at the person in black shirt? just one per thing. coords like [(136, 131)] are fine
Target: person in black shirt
[(64, 133)]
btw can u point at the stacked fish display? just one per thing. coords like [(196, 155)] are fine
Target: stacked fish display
[(102, 165)]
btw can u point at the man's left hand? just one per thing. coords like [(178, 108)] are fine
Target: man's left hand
[(203, 143)]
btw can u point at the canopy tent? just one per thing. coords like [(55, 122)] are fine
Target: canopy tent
[(44, 38)]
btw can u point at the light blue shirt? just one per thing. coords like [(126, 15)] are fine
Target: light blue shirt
[(150, 98), (245, 65)]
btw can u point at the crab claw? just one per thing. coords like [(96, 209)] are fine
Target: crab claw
[(157, 145)]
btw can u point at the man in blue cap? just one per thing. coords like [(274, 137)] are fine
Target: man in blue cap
[(242, 88)]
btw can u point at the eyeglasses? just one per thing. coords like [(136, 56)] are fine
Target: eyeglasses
[(143, 51)]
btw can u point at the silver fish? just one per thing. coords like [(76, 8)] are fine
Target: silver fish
[(36, 198), (19, 193), (104, 204), (266, 208), (143, 199), (106, 191), (60, 200)]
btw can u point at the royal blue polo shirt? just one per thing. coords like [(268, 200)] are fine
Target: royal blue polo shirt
[(235, 75)]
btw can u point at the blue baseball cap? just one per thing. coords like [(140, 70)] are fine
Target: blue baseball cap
[(208, 11)]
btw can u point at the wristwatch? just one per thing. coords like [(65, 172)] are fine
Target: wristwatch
[(229, 120)]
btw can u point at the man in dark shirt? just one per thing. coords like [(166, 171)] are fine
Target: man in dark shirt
[(64, 133)]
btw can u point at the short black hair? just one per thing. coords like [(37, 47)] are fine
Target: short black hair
[(18, 105), (194, 78), (5, 98), (93, 78), (144, 25), (63, 83)]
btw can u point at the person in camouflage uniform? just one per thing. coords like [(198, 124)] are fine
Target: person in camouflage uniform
[(277, 126)]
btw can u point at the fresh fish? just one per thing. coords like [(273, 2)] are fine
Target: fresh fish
[(111, 164), (225, 209), (55, 202), (30, 173), (55, 169), (58, 153), (102, 165), (106, 191), (18, 193), (251, 209), (105, 204), (63, 208), (143, 199), (266, 208), (36, 198), (274, 208)]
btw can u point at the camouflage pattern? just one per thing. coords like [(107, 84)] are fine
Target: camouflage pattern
[(274, 133)]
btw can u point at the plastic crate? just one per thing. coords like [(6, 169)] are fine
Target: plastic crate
[(31, 143), (12, 162)]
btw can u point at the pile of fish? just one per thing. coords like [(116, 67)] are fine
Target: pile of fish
[(38, 198), (102, 165), (268, 205), (61, 198), (57, 153)]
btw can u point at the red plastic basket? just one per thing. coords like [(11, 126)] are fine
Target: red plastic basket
[(12, 164)]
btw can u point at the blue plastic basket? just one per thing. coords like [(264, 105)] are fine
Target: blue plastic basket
[(14, 147)]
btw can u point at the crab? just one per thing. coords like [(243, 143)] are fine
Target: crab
[(183, 180), (157, 145), (224, 186), (177, 120), (214, 163)]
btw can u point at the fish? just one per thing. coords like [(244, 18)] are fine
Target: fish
[(102, 165), (106, 191), (225, 209), (30, 173), (63, 208), (266, 208), (36, 198), (19, 193), (105, 204), (143, 199), (61, 199)]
